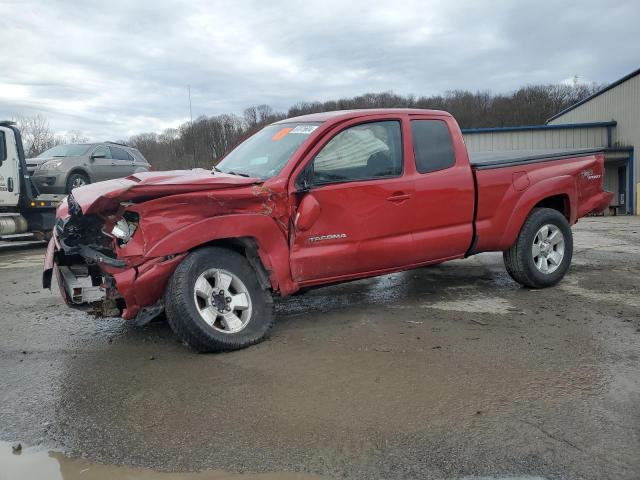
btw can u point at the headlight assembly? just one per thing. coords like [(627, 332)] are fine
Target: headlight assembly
[(50, 165), (124, 228)]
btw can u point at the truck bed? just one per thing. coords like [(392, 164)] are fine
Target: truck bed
[(507, 158)]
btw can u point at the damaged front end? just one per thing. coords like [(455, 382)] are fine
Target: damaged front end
[(116, 243), (82, 254)]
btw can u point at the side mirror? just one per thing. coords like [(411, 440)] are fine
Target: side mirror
[(307, 214)]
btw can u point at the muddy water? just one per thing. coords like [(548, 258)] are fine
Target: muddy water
[(37, 464)]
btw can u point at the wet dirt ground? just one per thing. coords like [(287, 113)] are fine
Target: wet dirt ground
[(446, 372)]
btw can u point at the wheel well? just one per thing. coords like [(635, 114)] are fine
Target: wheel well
[(557, 202), (247, 247)]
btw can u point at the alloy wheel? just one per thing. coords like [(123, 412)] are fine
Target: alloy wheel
[(222, 300), (548, 249)]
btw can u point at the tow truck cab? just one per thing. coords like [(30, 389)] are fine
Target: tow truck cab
[(25, 214)]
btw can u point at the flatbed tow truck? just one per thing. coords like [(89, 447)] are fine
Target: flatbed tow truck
[(26, 215)]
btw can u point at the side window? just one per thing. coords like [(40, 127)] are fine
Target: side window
[(432, 145), (3, 147), (102, 150), (366, 151), (120, 154), (138, 157)]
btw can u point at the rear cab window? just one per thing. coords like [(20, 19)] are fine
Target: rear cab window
[(432, 145)]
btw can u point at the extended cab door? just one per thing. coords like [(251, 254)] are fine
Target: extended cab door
[(355, 216), (444, 190)]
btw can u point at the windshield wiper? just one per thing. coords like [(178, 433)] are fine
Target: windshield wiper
[(231, 172), (241, 174)]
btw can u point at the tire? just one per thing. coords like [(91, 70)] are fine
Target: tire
[(76, 180), (555, 250), (197, 316)]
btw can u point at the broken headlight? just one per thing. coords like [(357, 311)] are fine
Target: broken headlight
[(124, 228)]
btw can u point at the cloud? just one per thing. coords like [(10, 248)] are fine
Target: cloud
[(116, 70)]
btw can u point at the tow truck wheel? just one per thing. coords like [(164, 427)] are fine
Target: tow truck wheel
[(76, 180), (214, 301), (542, 253)]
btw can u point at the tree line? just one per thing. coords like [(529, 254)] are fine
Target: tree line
[(208, 138), (204, 141)]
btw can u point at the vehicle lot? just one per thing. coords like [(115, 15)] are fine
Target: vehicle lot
[(443, 372)]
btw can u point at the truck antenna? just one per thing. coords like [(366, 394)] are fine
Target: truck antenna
[(193, 138)]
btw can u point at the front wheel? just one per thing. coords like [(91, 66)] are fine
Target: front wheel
[(76, 180), (214, 301), (542, 253)]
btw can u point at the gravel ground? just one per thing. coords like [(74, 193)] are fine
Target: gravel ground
[(445, 372)]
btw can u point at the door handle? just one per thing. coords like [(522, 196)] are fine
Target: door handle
[(399, 197)]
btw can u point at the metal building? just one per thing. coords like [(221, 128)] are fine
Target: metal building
[(608, 119)]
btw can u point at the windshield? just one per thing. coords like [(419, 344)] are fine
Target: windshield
[(265, 153), (65, 151)]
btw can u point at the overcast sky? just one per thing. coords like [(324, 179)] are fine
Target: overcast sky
[(119, 67)]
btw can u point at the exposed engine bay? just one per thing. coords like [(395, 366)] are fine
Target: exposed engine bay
[(84, 250)]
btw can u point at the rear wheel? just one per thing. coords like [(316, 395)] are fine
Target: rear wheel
[(76, 180), (542, 253), (214, 301)]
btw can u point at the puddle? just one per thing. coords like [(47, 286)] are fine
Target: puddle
[(571, 286), (37, 464), (34, 464)]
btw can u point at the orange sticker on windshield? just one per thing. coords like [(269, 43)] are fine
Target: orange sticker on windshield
[(280, 134)]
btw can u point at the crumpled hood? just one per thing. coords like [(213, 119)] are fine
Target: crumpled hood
[(105, 196)]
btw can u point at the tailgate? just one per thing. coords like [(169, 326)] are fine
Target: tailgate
[(592, 197)]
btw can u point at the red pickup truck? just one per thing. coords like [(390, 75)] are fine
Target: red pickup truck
[(310, 201)]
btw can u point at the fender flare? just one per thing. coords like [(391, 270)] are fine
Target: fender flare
[(273, 248), (551, 187)]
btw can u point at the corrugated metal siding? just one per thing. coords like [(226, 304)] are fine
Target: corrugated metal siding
[(536, 139), (622, 104)]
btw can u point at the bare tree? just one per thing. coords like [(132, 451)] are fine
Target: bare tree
[(250, 115), (74, 136), (37, 136)]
